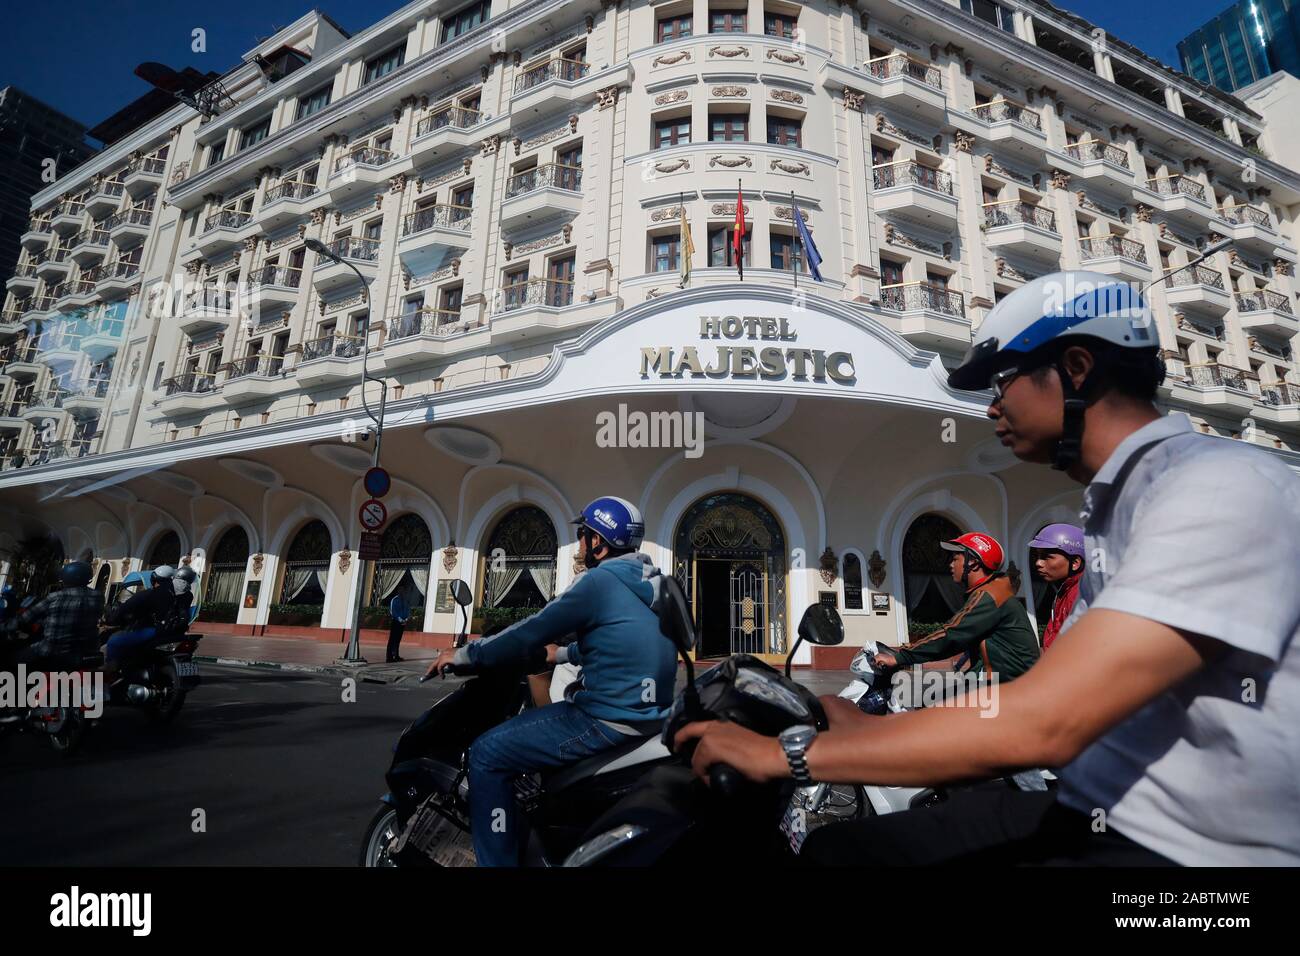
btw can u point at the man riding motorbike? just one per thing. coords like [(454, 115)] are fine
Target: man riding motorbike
[(69, 618), (627, 678), (991, 632), (144, 618), (1059, 562), (183, 588), (1173, 706)]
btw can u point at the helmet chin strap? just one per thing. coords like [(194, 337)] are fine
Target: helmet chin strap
[(1070, 445)]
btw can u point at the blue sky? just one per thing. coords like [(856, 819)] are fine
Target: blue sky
[(77, 55)]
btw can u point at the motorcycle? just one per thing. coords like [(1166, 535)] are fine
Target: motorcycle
[(423, 819), (154, 677), (64, 725), (674, 819)]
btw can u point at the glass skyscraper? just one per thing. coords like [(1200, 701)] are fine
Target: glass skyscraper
[(1245, 42)]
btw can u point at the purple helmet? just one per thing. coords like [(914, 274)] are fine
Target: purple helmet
[(1060, 537)]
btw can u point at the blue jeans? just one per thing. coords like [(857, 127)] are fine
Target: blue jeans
[(550, 736), (123, 641)]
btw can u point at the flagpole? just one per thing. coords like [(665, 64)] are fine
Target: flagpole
[(794, 216)]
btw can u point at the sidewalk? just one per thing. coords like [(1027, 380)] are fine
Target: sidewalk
[(320, 657)]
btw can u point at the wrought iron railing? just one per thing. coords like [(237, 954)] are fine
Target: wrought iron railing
[(371, 156), (455, 117), (335, 344), (255, 365), (1015, 212), (355, 247), (190, 383), (227, 219), (998, 110), (1096, 150), (910, 173), (1263, 300), (556, 293), (553, 69), (208, 299), (551, 174), (1188, 325), (148, 165), (921, 297), (130, 217), (1242, 214), (423, 322), (1104, 247), (287, 277), (900, 64), (1280, 393), (1197, 275), (70, 208), (1214, 375), (122, 269), (1177, 185), (440, 215), (89, 237), (289, 189)]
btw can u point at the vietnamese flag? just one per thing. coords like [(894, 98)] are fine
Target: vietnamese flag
[(738, 234)]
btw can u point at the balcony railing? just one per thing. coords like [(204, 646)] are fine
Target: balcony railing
[(921, 297), (1012, 212), (89, 237), (39, 225), (1282, 352), (51, 255), (1213, 331), (53, 398), (999, 110), (95, 388), (122, 269), (286, 277), (26, 271), (111, 188), (556, 293), (371, 156), (133, 217), (190, 383), (255, 365), (70, 208), (455, 117), (10, 316), (910, 173), (552, 174), (554, 69), (335, 344), (1213, 375), (1103, 247), (900, 64), (1177, 185), (1263, 300), (1243, 214), (441, 215), (208, 299), (355, 247), (149, 165), (290, 189), (227, 219), (1280, 393), (1197, 275), (1096, 150), (422, 322), (83, 286)]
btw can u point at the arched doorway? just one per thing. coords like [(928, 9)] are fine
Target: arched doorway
[(518, 565), (403, 569), (931, 594), (306, 571), (166, 550), (729, 555), (223, 577)]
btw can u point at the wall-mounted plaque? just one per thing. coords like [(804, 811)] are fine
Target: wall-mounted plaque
[(251, 592), (443, 602), (880, 603)]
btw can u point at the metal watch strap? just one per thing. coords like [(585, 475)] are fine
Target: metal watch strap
[(798, 761)]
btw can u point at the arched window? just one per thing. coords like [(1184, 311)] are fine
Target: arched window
[(407, 549), (852, 582), (306, 571), (932, 595), (519, 560), (167, 550), (224, 574)]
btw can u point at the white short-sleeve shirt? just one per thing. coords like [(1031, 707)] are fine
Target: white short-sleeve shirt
[(1202, 534)]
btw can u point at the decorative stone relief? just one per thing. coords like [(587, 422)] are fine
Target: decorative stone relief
[(731, 162), (672, 96)]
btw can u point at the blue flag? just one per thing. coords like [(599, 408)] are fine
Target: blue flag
[(813, 257)]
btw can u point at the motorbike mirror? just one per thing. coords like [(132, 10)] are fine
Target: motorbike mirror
[(461, 593), (821, 624)]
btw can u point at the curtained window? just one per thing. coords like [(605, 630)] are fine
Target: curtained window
[(932, 595), (519, 560)]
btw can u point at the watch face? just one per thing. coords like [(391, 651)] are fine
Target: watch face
[(800, 735)]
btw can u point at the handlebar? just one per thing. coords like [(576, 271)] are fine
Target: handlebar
[(455, 670), (726, 780)]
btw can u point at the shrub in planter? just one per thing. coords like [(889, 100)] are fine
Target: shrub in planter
[(919, 629), (502, 616), (222, 612), (379, 617), (296, 615)]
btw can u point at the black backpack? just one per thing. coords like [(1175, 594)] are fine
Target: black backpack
[(175, 620)]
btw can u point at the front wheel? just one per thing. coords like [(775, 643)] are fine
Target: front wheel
[(379, 835), (70, 733)]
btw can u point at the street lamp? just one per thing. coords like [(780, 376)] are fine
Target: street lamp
[(1209, 251), (353, 653)]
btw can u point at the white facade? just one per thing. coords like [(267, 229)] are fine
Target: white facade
[(512, 192)]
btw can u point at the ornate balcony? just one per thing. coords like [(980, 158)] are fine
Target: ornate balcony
[(927, 313), (361, 252), (272, 289), (1252, 229), (1280, 393), (560, 86), (38, 233), (329, 359), (130, 227), (115, 280), (539, 308), (541, 193), (1115, 256), (429, 233), (105, 338), (89, 245), (910, 85), (421, 336), (446, 128), (76, 292), (1022, 227), (87, 401), (106, 197), (916, 192), (252, 378), (1199, 288), (222, 231), (1181, 196), (52, 265), (1096, 160), (67, 217), (288, 201), (1267, 311), (24, 278), (188, 394), (205, 309), (365, 168), (1013, 124), (143, 174)]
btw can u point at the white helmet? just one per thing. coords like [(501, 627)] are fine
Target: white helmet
[(1056, 306), (164, 571)]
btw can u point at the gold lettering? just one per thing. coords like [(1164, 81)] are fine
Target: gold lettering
[(659, 360), (773, 363)]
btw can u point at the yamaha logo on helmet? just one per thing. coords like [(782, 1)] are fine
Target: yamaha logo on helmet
[(605, 518)]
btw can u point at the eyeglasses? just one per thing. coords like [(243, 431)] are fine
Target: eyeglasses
[(1000, 382)]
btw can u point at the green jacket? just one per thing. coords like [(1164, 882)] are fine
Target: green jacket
[(992, 625)]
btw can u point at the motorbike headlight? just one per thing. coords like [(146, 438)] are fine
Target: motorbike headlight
[(768, 689)]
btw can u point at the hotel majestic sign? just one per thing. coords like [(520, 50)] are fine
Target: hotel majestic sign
[(747, 361)]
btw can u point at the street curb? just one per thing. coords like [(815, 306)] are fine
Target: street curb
[(301, 668)]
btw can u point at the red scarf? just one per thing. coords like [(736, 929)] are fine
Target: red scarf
[(1065, 599)]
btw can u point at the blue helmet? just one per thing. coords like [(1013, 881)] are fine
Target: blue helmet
[(75, 575), (616, 520)]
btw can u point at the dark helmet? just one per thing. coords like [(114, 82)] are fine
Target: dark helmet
[(75, 575)]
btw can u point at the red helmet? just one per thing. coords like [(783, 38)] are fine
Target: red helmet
[(982, 547)]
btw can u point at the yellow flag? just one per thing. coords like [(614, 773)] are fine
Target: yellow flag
[(687, 247)]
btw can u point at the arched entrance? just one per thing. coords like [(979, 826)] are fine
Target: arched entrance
[(407, 550), (306, 572), (729, 555), (932, 595), (223, 582), (518, 565), (166, 550)]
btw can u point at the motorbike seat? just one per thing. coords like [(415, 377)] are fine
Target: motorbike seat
[(636, 750)]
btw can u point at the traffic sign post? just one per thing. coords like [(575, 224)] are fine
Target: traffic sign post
[(377, 482), (370, 549), (373, 515)]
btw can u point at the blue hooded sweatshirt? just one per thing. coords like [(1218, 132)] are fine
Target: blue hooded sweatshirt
[(628, 666)]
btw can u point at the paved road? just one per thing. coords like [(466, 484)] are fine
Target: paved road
[(287, 773)]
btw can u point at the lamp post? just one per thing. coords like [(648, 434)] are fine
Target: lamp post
[(353, 654), (1209, 251)]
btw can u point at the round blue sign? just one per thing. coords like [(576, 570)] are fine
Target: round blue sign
[(377, 482)]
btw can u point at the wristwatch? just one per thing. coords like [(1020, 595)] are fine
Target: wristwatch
[(795, 742)]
